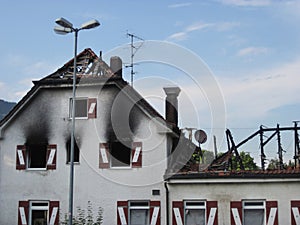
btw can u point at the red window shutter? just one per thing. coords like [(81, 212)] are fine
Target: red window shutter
[(211, 212), (136, 155), (295, 209), (272, 212), (21, 157), (177, 212), (23, 212), (122, 212), (155, 213), (54, 213), (236, 212), (104, 155), (92, 108), (51, 157)]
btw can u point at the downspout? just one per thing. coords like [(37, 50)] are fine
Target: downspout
[(167, 202)]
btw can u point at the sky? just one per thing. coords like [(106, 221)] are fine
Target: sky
[(237, 62)]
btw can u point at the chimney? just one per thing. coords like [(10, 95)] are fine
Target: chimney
[(172, 104), (116, 65)]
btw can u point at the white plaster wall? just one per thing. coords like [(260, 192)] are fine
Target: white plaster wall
[(103, 187), (224, 192)]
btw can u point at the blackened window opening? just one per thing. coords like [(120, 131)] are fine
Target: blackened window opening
[(76, 152), (121, 154), (37, 155)]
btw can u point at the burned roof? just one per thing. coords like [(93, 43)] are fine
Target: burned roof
[(92, 70)]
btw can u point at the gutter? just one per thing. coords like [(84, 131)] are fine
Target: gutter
[(167, 203)]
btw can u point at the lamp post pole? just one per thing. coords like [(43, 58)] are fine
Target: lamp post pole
[(64, 28)]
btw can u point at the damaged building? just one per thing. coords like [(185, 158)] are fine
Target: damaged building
[(133, 162)]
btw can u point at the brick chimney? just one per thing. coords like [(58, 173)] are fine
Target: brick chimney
[(116, 65), (172, 104)]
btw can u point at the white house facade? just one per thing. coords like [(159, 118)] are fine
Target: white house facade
[(129, 160)]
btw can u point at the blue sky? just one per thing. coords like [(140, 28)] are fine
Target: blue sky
[(251, 47)]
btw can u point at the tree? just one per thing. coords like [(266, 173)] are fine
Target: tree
[(247, 160), (207, 157)]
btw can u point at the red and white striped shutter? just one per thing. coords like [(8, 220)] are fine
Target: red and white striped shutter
[(155, 213), (236, 212), (211, 212), (177, 213), (104, 155), (51, 157), (23, 212), (21, 157), (272, 212), (136, 155), (54, 213), (122, 212), (295, 212), (92, 108)]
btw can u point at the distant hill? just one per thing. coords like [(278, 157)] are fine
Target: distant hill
[(5, 107)]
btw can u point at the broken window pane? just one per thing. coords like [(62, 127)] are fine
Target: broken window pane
[(37, 155), (120, 153)]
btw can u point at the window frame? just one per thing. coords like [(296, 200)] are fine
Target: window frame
[(32, 208), (127, 166), (141, 206), (71, 106), (261, 204), (28, 158), (202, 204)]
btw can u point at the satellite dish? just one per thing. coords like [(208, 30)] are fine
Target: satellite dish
[(200, 136)]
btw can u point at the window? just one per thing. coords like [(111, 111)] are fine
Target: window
[(38, 212), (85, 108), (140, 212), (120, 155), (253, 212), (194, 212), (76, 151), (36, 157)]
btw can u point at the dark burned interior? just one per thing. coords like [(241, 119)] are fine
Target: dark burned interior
[(120, 154), (36, 154)]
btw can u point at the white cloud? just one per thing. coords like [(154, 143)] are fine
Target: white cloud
[(246, 2), (251, 97), (222, 26), (179, 5), (250, 51)]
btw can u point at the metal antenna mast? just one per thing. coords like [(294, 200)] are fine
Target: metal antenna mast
[(134, 49)]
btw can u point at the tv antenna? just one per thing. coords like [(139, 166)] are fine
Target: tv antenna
[(134, 49)]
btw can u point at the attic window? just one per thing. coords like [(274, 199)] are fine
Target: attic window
[(120, 153), (36, 155), (81, 106)]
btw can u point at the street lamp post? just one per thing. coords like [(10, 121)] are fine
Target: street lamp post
[(66, 27)]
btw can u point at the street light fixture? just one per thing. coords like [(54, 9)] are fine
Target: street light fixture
[(66, 27)]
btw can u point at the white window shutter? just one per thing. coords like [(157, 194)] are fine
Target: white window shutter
[(23, 212), (177, 213), (211, 210), (122, 212), (104, 155), (54, 213), (136, 155), (295, 212), (21, 157), (272, 212), (236, 212), (155, 213), (92, 108), (51, 157)]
